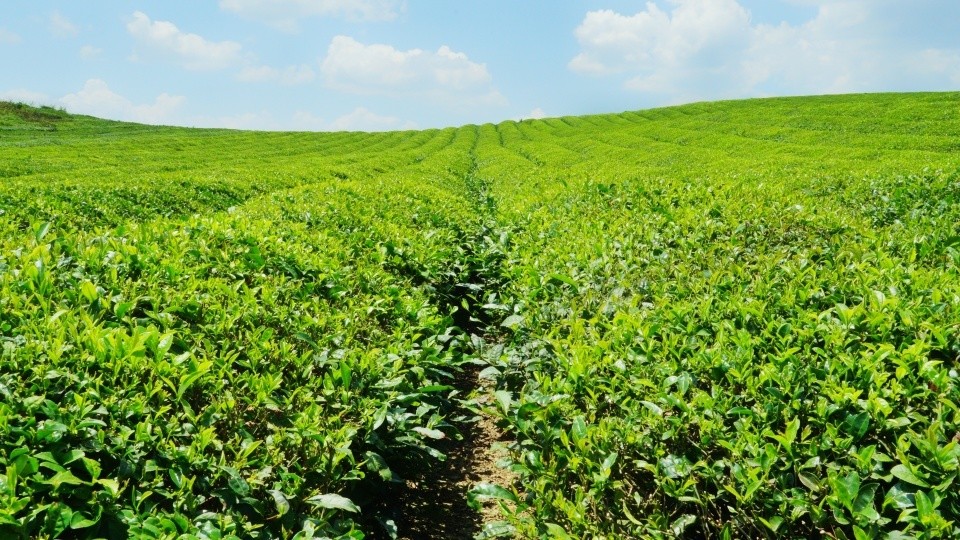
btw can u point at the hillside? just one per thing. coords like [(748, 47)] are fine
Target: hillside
[(733, 319)]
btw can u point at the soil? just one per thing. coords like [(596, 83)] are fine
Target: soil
[(433, 501)]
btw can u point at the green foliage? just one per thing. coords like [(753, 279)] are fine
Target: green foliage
[(737, 319), (252, 371)]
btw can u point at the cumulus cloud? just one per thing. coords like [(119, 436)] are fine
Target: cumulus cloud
[(659, 51), (711, 48), (197, 53), (536, 114), (97, 99), (192, 51), (354, 67), (61, 27), (286, 14), (6, 36), (615, 43), (288, 76), (362, 119)]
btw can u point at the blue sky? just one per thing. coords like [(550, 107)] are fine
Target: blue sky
[(394, 64)]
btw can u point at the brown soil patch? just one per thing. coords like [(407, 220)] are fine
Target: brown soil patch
[(433, 501)]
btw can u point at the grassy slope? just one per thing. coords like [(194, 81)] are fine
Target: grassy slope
[(736, 316)]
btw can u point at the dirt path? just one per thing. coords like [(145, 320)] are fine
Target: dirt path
[(433, 502)]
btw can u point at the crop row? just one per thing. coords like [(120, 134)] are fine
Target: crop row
[(736, 319), (257, 370), (745, 340)]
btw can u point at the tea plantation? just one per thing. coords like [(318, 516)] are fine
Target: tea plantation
[(736, 320)]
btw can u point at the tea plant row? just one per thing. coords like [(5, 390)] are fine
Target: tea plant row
[(736, 319)]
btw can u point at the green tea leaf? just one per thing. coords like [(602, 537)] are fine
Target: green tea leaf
[(846, 488), (504, 399), (238, 485), (559, 279), (675, 466), (66, 477), (512, 322), (857, 425), (334, 502), (680, 524), (430, 433), (579, 429), (486, 491), (556, 531), (863, 506), (925, 508), (903, 473), (772, 523), (899, 498), (280, 502), (80, 521)]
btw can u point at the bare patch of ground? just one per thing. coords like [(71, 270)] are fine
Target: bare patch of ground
[(433, 501)]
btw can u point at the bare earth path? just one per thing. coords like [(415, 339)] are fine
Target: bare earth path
[(433, 504)]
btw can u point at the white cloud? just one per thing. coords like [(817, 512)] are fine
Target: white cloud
[(288, 76), (6, 36), (97, 99), (658, 48), (849, 46), (584, 63), (710, 48), (286, 14), (21, 95), (61, 26), (362, 119), (354, 67), (191, 50), (88, 52), (536, 114)]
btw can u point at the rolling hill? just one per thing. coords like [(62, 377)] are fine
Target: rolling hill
[(732, 319)]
